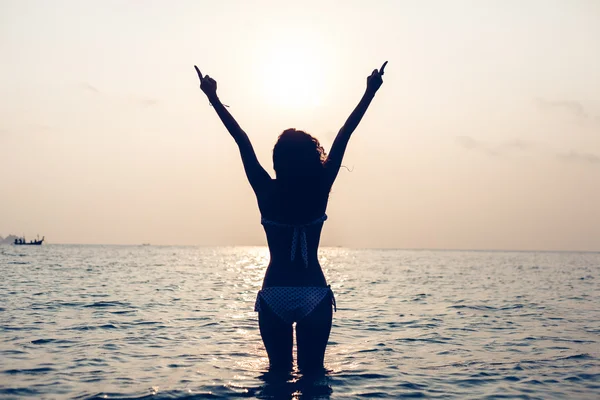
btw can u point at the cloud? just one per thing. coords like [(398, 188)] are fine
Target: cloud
[(144, 102), (25, 129), (518, 144), (573, 107), (41, 127), (574, 156), (506, 148), (469, 143), (90, 88), (147, 102)]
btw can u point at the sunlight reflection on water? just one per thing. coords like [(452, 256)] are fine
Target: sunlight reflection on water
[(177, 322)]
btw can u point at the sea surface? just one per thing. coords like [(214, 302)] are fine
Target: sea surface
[(108, 322)]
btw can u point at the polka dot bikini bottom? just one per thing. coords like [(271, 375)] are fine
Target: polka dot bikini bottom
[(292, 303)]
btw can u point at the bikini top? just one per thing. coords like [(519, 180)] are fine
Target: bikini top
[(299, 232)]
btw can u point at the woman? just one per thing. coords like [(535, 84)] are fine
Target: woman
[(293, 208)]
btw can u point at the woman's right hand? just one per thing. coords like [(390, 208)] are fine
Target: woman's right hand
[(207, 84), (375, 80)]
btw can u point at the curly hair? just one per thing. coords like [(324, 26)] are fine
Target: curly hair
[(298, 155)]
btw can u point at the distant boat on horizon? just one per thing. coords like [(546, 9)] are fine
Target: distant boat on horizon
[(22, 242)]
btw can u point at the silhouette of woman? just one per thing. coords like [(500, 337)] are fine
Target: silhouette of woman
[(293, 207)]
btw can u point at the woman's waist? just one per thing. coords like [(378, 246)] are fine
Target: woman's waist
[(293, 274), (286, 258)]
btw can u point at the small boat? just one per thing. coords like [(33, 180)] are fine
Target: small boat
[(22, 242)]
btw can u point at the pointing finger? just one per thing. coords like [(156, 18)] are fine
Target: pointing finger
[(382, 68), (199, 74)]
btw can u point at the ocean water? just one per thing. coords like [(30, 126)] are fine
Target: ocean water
[(109, 322)]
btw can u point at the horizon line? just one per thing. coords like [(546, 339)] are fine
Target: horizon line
[(331, 246)]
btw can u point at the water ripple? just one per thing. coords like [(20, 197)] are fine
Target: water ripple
[(87, 322)]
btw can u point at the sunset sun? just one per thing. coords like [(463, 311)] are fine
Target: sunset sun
[(289, 76)]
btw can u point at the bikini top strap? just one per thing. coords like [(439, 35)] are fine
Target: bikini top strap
[(299, 233), (265, 221)]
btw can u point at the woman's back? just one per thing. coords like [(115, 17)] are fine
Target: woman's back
[(292, 216)]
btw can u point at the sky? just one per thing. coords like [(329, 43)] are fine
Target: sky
[(484, 135)]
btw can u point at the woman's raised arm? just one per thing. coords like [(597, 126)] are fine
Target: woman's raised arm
[(338, 148), (257, 176)]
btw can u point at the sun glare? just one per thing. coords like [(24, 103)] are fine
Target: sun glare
[(290, 77)]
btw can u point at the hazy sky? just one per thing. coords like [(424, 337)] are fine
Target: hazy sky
[(484, 135)]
